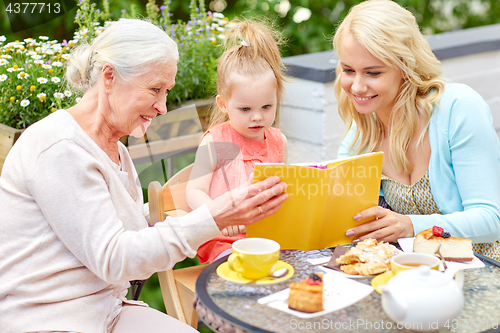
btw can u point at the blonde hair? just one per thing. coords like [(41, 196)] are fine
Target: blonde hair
[(130, 45), (252, 48), (391, 34)]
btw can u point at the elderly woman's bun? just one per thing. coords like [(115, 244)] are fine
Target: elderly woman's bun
[(132, 46), (79, 67)]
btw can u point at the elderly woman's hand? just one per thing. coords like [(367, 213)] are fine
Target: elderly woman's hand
[(387, 225), (251, 203)]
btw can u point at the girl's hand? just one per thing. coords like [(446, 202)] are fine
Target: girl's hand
[(251, 203), (234, 230), (387, 226)]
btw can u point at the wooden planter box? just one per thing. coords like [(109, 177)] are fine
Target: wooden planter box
[(8, 137)]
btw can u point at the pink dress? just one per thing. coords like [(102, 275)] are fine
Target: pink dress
[(237, 155)]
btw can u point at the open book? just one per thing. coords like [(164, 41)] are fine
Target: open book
[(322, 201)]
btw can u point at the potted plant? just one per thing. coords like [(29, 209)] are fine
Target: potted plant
[(31, 85)]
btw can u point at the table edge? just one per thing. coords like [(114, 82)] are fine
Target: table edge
[(204, 298)]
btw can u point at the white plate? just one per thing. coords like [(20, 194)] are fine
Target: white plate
[(324, 260), (339, 293), (407, 246)]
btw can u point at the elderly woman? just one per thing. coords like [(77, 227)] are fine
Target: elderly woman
[(441, 153), (72, 229)]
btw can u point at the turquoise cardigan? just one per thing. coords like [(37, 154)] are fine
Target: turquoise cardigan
[(464, 168)]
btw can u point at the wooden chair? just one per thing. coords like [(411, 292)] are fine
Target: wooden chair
[(177, 286)]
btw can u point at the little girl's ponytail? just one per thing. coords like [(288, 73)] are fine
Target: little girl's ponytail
[(251, 49)]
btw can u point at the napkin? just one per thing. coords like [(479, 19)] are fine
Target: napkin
[(339, 251)]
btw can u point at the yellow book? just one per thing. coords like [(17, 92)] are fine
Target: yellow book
[(322, 201)]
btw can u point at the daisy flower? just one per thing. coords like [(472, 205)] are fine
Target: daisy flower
[(44, 38), (67, 93), (3, 77), (3, 62), (59, 95), (47, 66), (65, 56), (22, 76), (24, 103), (41, 96), (57, 64), (42, 80), (3, 38), (78, 99), (36, 56), (38, 62), (6, 56), (55, 79)]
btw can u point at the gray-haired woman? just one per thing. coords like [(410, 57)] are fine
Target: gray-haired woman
[(73, 230)]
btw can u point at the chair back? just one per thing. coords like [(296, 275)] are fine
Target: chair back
[(169, 199)]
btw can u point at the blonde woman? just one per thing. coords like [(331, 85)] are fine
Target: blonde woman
[(441, 153), (250, 90)]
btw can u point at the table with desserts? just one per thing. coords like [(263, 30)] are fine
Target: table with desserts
[(227, 306)]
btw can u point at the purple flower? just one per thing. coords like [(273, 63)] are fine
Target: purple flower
[(182, 44), (98, 10), (172, 31), (64, 43), (197, 9), (209, 13)]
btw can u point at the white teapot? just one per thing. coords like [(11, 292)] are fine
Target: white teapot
[(423, 299)]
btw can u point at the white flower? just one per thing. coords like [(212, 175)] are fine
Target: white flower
[(3, 38), (78, 99), (38, 62), (55, 79), (59, 95), (218, 15), (3, 77), (40, 95), (29, 40), (67, 93), (50, 52), (44, 38), (47, 66), (42, 80), (24, 103), (23, 76), (10, 70), (6, 56), (3, 62), (57, 64), (36, 56), (65, 56)]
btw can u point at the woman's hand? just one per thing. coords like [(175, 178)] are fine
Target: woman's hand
[(387, 225), (251, 203)]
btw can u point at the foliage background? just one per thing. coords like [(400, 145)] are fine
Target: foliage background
[(311, 35)]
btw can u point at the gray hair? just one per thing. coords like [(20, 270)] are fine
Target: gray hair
[(132, 46)]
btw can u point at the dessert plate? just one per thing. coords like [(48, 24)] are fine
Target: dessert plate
[(339, 292), (228, 274), (407, 246)]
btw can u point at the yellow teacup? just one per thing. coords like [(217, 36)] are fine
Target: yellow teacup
[(254, 258), (404, 261)]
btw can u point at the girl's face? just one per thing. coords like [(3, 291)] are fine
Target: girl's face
[(251, 107), (371, 85)]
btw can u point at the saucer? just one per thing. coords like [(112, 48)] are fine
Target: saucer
[(380, 280), (228, 274)]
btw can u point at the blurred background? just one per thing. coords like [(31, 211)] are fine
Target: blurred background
[(307, 24)]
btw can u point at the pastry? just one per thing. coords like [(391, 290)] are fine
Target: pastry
[(451, 248), (367, 258), (307, 296)]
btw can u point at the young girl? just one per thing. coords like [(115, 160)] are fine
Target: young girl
[(250, 90)]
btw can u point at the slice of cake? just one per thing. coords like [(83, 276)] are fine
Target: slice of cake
[(451, 248), (307, 296)]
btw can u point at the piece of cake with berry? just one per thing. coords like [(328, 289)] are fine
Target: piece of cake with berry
[(451, 248), (307, 296)]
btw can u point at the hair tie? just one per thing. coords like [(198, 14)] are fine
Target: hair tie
[(244, 43)]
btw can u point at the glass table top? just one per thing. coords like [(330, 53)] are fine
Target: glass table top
[(236, 305)]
